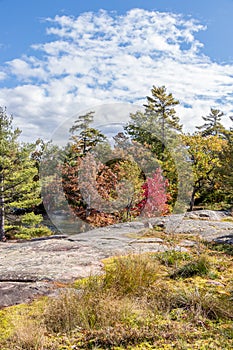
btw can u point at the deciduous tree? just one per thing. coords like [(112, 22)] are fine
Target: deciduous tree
[(206, 159)]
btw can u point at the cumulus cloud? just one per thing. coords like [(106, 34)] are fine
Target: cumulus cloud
[(2, 75), (99, 58)]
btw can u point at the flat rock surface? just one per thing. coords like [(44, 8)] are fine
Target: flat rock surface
[(37, 267)]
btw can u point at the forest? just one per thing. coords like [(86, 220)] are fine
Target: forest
[(142, 173)]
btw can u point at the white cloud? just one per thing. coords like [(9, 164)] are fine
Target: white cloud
[(27, 68), (2, 75), (102, 57)]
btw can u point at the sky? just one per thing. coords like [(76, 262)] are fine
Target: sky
[(61, 57)]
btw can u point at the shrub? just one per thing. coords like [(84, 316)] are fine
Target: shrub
[(28, 335)]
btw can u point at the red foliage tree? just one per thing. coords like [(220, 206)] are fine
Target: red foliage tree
[(156, 196)]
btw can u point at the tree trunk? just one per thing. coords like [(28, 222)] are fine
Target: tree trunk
[(192, 200), (2, 209), (163, 132)]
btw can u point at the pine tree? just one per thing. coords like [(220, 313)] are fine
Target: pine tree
[(84, 136), (161, 106), (155, 129), (19, 186), (213, 125)]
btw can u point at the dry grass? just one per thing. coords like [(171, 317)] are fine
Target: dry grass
[(28, 335)]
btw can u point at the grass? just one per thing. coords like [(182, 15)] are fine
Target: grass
[(198, 267), (173, 257), (221, 247), (168, 300)]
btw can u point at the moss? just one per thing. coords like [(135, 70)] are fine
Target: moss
[(227, 219), (5, 324)]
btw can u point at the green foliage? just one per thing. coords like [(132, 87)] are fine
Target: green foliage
[(221, 247), (28, 233), (172, 257), (224, 171), (157, 129), (19, 185), (31, 228), (162, 105), (84, 136), (31, 219), (205, 154), (153, 127), (213, 125)]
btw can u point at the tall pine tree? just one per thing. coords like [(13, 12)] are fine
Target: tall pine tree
[(85, 137), (155, 129), (19, 186), (213, 125)]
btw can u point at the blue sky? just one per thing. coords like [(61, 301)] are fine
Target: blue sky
[(58, 57)]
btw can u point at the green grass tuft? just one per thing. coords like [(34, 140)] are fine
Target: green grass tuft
[(197, 267)]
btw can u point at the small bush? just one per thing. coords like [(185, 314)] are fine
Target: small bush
[(106, 300), (221, 247), (61, 314)]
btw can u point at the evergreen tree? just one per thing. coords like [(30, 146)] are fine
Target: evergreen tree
[(155, 129), (84, 136), (19, 186), (85, 142), (162, 104), (213, 125)]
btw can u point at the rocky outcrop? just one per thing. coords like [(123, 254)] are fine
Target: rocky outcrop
[(40, 266)]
